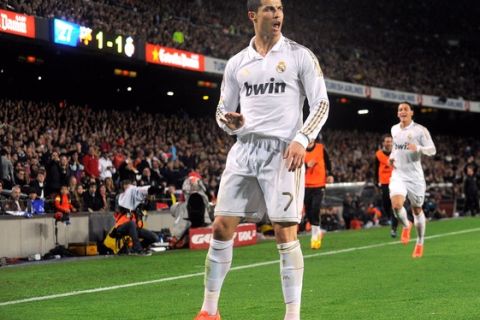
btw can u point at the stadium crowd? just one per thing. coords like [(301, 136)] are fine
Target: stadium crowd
[(373, 42), (47, 146)]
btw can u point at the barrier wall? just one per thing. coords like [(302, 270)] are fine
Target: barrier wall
[(22, 237)]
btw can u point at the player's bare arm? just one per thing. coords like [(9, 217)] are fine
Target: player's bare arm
[(233, 120), (294, 155)]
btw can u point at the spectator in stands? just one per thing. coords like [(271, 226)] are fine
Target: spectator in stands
[(15, 204), (21, 177), (147, 179), (156, 170), (54, 172), (92, 202), (106, 166), (3, 199), (35, 205), (72, 184), (91, 163), (76, 168), (8, 177), (65, 172), (110, 188), (63, 205), (106, 200), (77, 198), (39, 184), (472, 164)]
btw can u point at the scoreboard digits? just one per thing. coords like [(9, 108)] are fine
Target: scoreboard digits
[(73, 35)]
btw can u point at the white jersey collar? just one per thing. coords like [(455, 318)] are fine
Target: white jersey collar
[(407, 127), (253, 53)]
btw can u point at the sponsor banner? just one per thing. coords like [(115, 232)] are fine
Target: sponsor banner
[(395, 96), (446, 103), (473, 106), (346, 88), (17, 24), (174, 58), (245, 234), (214, 65)]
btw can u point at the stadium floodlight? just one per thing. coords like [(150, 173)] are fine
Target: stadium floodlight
[(205, 98), (170, 93), (129, 88), (362, 111)]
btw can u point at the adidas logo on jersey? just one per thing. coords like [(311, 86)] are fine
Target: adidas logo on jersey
[(263, 88)]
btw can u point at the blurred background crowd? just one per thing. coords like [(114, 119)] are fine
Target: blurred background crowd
[(369, 42)]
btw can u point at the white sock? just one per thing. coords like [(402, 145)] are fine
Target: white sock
[(420, 225), (217, 264), (291, 271), (293, 312), (401, 215), (316, 232)]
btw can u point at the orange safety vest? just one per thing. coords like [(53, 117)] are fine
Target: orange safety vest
[(384, 168), (315, 176), (122, 218)]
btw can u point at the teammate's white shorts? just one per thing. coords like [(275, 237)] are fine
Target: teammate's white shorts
[(256, 181), (413, 188)]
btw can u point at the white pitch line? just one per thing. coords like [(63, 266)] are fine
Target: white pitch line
[(198, 274)]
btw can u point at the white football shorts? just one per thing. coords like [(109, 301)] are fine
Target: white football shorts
[(256, 181), (413, 188)]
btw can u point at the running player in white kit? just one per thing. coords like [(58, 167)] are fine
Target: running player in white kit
[(264, 171), (410, 141)]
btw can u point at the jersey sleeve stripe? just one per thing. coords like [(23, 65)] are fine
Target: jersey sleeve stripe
[(316, 119)]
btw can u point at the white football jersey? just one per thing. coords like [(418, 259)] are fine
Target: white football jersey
[(271, 91), (407, 163)]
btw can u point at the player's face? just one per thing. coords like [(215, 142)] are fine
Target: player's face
[(269, 17), (387, 143), (404, 113)]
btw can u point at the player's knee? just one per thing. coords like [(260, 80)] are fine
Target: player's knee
[(223, 229), (397, 206), (417, 210)]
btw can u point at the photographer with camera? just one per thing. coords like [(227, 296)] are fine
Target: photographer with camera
[(129, 216)]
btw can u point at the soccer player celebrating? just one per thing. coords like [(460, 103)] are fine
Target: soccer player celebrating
[(264, 172), (410, 141)]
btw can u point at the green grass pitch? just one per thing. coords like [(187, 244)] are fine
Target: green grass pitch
[(356, 275)]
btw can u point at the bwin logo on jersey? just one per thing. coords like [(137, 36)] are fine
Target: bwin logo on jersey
[(263, 88), (401, 146)]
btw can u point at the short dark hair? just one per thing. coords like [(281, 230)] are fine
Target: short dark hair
[(385, 136), (253, 5), (407, 103), (125, 182)]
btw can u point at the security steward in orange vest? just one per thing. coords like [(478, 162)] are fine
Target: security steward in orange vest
[(383, 172), (129, 217), (317, 174)]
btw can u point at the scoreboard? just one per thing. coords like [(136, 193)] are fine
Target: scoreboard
[(74, 35)]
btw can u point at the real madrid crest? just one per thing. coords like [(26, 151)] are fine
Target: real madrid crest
[(281, 67)]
